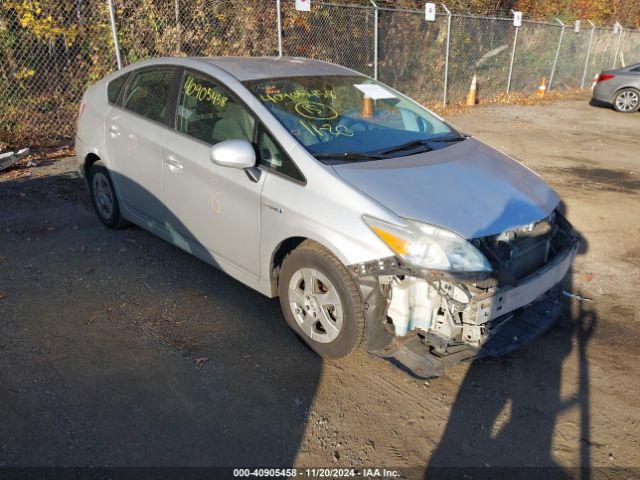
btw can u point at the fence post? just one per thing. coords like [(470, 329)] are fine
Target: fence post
[(555, 60), (615, 55), (513, 56), (375, 39), (114, 31), (586, 62), (446, 57), (177, 13), (279, 27)]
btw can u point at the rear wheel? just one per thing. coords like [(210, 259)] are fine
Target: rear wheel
[(104, 197), (321, 301), (627, 100)]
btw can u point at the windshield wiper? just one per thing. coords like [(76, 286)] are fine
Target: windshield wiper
[(449, 138), (347, 156), (407, 146), (424, 142), (382, 154)]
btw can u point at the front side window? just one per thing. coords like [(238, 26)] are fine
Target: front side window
[(351, 117), (148, 94), (207, 112)]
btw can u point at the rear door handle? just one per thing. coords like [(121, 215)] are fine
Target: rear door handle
[(175, 165), (114, 131)]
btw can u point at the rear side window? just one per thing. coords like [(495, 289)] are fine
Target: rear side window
[(637, 69), (148, 94), (115, 87)]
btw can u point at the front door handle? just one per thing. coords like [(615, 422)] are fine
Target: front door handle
[(114, 131), (175, 165)]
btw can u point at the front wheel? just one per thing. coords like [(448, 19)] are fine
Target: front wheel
[(627, 100), (321, 301)]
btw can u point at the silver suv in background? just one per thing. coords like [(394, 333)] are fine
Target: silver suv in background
[(619, 88), (370, 217)]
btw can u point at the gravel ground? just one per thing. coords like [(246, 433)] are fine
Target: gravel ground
[(117, 349)]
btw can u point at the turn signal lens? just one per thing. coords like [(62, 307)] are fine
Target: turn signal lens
[(396, 244)]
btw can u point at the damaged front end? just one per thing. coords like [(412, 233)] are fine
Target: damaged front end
[(425, 320)]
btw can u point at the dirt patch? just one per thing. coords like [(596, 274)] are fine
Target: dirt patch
[(600, 179)]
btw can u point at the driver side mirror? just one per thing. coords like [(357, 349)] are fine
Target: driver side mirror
[(234, 154)]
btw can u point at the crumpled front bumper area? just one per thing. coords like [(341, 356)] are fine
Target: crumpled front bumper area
[(503, 319), (417, 358)]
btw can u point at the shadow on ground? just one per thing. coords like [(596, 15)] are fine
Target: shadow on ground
[(99, 331), (506, 409), (100, 337)]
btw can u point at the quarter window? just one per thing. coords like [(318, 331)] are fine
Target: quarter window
[(273, 157), (115, 87), (148, 94), (207, 112)]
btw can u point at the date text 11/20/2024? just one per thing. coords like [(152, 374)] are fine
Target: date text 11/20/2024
[(316, 472)]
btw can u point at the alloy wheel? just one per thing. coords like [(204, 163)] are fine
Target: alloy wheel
[(315, 305), (627, 101), (102, 195)]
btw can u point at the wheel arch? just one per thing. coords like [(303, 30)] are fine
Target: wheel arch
[(625, 87), (89, 160), (278, 255), (285, 247)]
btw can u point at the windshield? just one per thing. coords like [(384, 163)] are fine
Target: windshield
[(351, 118)]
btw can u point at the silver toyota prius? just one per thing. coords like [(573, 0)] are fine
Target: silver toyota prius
[(371, 218)]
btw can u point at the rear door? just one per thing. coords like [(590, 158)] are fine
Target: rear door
[(134, 134), (214, 208)]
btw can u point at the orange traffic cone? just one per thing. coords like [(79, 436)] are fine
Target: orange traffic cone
[(367, 107), (595, 81), (471, 96), (542, 89)]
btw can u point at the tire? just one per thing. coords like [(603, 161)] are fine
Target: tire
[(308, 310), (627, 100), (103, 196)]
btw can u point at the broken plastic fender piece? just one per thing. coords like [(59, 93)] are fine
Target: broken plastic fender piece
[(9, 158), (413, 357)]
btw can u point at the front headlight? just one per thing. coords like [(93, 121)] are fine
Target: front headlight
[(426, 246)]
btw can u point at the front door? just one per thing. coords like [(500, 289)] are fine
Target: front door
[(213, 208), (134, 142)]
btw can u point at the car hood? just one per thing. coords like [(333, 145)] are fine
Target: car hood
[(467, 187)]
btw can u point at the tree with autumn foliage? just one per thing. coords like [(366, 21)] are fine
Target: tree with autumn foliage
[(50, 51)]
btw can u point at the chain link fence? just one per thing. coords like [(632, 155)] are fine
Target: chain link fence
[(480, 46), (335, 33), (48, 56), (50, 52), (412, 52), (629, 48), (571, 58), (206, 28)]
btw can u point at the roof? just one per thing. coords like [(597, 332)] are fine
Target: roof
[(254, 68)]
